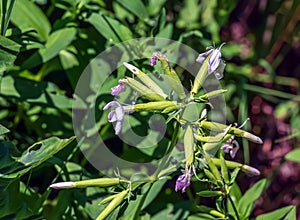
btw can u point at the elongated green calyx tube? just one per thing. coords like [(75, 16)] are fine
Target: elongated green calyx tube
[(232, 165), (213, 94), (213, 139), (143, 90), (100, 182), (116, 201), (108, 199), (171, 76), (214, 126), (157, 106), (211, 211), (145, 79), (200, 77), (189, 142)]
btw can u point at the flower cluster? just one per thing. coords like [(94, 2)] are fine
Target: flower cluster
[(196, 141)]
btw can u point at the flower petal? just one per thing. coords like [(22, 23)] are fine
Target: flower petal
[(226, 148), (111, 104), (235, 148), (219, 71), (214, 60), (202, 56), (112, 116), (118, 89), (153, 61), (118, 127)]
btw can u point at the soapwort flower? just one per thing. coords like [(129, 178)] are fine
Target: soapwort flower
[(121, 87), (215, 64), (184, 180), (231, 146), (116, 115), (153, 61)]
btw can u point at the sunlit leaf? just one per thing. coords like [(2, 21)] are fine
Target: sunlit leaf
[(34, 156), (294, 155), (28, 16), (3, 130), (40, 93), (110, 28), (56, 42), (136, 7), (246, 203), (288, 213), (8, 52)]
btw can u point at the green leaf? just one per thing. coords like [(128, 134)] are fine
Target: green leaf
[(246, 203), (110, 28), (5, 16), (8, 155), (8, 52), (3, 130), (27, 16), (56, 42), (35, 155), (288, 213), (224, 169), (201, 216), (41, 93), (154, 7), (136, 7), (294, 155), (154, 191)]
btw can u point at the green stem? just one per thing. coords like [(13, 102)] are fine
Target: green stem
[(141, 203), (165, 160), (234, 208)]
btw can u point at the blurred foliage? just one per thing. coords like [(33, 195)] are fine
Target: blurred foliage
[(46, 45)]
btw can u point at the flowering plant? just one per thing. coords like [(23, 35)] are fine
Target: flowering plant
[(199, 147)]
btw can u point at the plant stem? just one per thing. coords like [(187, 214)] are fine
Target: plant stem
[(234, 208), (164, 161)]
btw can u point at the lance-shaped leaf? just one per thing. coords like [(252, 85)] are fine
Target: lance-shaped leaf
[(34, 156), (212, 166), (57, 41), (3, 130), (8, 53), (224, 170)]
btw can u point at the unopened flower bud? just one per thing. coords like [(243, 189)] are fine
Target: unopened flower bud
[(116, 201), (100, 182), (145, 79), (157, 106), (232, 165), (171, 75), (143, 90)]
